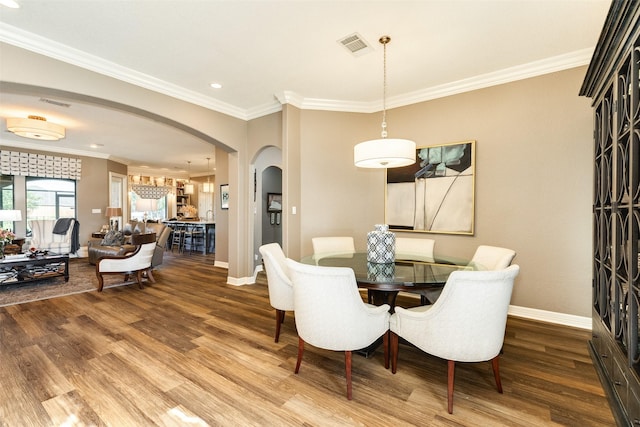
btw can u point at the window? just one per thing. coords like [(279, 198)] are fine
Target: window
[(50, 199), (143, 209), (6, 198)]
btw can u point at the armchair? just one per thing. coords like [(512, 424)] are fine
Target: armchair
[(100, 248), (466, 324), (278, 282), (43, 237), (330, 313), (137, 262)]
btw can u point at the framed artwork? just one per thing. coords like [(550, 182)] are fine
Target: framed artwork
[(274, 202), (224, 196), (436, 194)]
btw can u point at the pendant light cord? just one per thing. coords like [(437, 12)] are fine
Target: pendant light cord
[(384, 40)]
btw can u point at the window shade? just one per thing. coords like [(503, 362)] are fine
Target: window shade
[(41, 165)]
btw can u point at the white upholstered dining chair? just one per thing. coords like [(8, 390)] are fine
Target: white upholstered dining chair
[(491, 258), (417, 249), (414, 249), (466, 324), (278, 282), (331, 315), (332, 246), (484, 258)]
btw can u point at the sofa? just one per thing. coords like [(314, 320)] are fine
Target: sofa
[(43, 237), (118, 243)]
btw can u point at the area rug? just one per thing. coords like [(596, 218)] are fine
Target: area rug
[(82, 278)]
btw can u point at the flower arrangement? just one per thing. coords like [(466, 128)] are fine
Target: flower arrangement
[(189, 211), (6, 236)]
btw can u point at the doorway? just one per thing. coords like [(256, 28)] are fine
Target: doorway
[(272, 205)]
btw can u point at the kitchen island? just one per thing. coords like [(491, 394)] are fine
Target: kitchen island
[(209, 231)]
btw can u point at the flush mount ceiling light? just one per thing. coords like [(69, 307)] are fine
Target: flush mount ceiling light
[(35, 127), (383, 152)]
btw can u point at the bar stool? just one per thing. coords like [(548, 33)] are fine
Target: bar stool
[(196, 238), (177, 240)]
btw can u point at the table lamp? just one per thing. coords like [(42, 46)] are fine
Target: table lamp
[(10, 215), (113, 212)]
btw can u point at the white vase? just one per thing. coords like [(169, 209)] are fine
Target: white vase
[(381, 245)]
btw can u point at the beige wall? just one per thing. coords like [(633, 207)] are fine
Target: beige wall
[(533, 179), (533, 185)]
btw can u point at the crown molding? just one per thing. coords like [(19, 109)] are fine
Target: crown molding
[(532, 69), (41, 45), (520, 72), (52, 49)]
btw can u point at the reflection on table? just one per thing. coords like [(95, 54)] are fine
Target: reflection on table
[(384, 281)]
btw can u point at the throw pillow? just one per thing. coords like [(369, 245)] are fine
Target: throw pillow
[(113, 238)]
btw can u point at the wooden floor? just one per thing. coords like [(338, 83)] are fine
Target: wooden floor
[(191, 350)]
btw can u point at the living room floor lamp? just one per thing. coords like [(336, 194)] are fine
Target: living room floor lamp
[(112, 213)]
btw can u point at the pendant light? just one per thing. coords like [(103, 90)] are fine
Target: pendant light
[(383, 152), (188, 186), (207, 187)]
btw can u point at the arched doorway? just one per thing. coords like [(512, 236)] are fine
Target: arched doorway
[(267, 223), (272, 203)]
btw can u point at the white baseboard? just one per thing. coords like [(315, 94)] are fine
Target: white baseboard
[(514, 310), (241, 281), (221, 264), (551, 317)]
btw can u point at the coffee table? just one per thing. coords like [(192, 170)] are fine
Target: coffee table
[(18, 269)]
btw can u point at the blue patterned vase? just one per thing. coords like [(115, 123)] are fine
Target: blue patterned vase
[(381, 245)]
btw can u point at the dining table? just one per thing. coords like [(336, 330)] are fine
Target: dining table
[(384, 281)]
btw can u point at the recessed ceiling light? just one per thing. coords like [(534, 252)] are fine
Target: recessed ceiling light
[(216, 85), (96, 145)]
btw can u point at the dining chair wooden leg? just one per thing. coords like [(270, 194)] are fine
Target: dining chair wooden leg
[(300, 351), (279, 321), (347, 369), (495, 364), (385, 343), (150, 276), (451, 367), (394, 351)]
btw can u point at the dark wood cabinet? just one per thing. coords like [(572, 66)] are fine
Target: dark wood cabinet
[(613, 82)]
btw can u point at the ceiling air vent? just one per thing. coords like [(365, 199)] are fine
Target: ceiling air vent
[(355, 44), (58, 103)]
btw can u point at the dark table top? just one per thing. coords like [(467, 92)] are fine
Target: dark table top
[(397, 276)]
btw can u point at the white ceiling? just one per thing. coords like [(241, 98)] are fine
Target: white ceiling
[(267, 52)]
